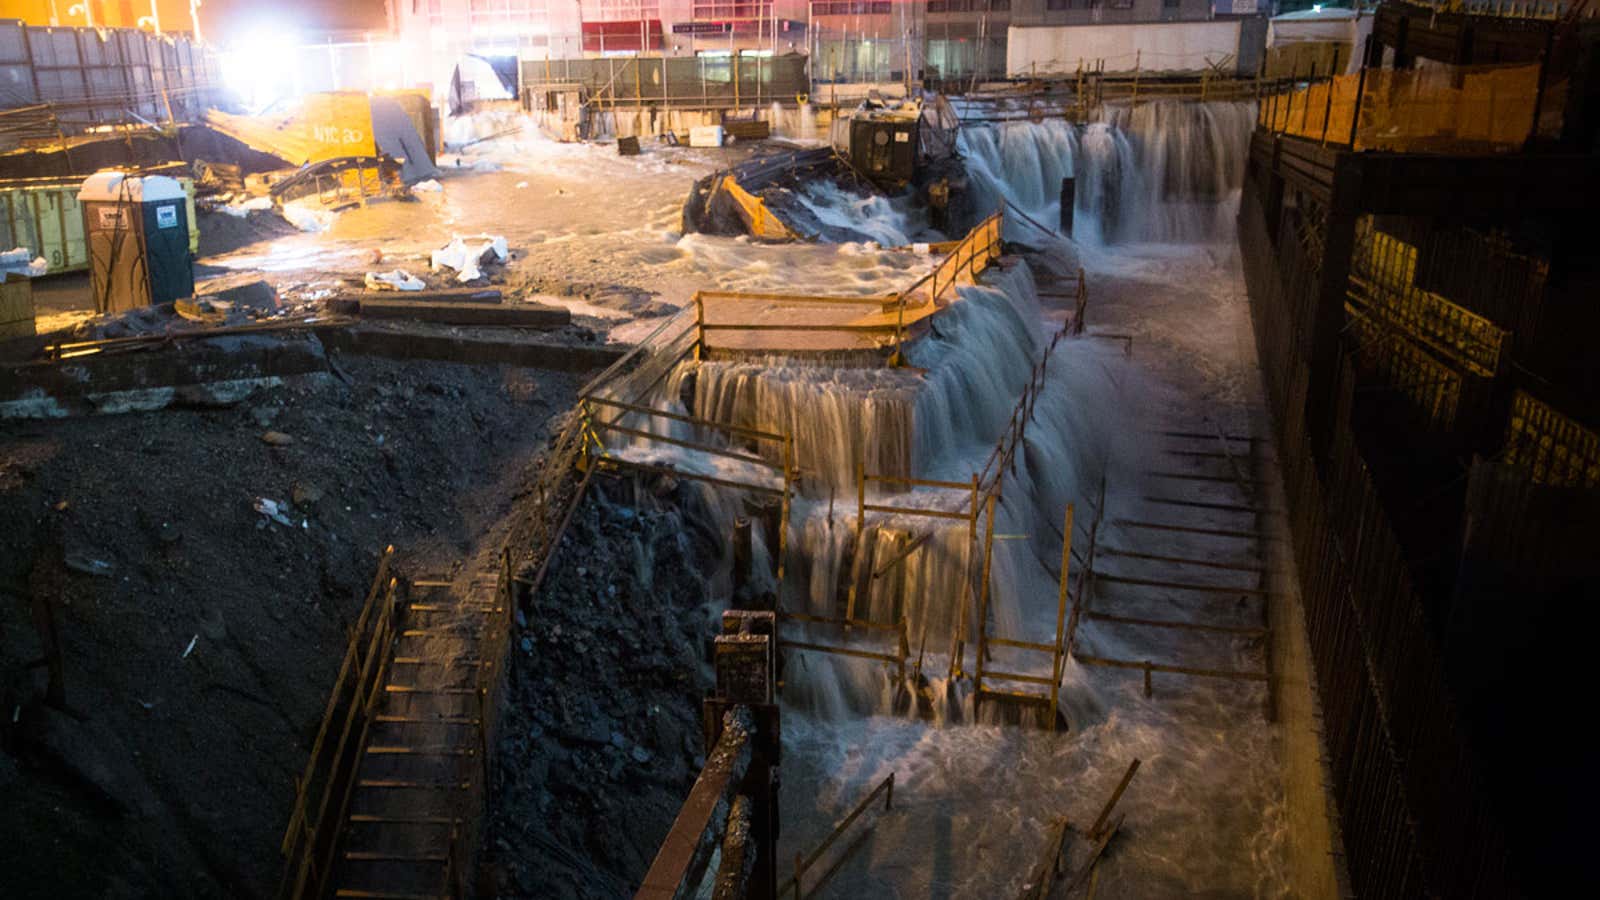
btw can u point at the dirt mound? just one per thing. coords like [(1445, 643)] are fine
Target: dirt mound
[(200, 636), (222, 232)]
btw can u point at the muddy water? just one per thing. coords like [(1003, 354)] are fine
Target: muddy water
[(579, 219)]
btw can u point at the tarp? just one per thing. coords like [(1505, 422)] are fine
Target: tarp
[(397, 137)]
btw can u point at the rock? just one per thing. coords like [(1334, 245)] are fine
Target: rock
[(617, 740), (640, 754), (212, 625), (595, 732), (88, 565), (527, 645), (265, 415), (304, 494), (93, 753), (276, 438)]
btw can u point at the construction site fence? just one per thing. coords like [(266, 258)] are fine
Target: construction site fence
[(322, 792), (63, 81), (1413, 818), (1439, 108), (1509, 9), (1081, 96), (732, 81)]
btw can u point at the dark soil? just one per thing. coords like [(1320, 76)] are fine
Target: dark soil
[(170, 771), (224, 233), (600, 731)]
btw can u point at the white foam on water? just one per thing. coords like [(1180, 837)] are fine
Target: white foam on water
[(873, 215)]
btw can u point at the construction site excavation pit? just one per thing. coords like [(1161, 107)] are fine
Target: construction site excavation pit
[(1001, 485), (902, 477)]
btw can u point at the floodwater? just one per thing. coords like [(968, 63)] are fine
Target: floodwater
[(973, 803)]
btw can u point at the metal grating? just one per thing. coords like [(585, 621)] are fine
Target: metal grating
[(1554, 448)]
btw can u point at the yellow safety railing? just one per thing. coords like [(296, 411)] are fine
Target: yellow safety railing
[(884, 315)]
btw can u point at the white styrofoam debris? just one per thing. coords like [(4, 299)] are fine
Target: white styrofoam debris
[(467, 254), (395, 280), (705, 136)]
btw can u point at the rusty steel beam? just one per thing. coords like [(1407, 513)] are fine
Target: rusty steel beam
[(680, 864)]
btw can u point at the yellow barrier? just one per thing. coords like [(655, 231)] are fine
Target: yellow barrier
[(760, 220), (1556, 449), (1382, 284), (1439, 108)]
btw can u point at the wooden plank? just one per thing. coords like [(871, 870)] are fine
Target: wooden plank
[(522, 315), (1199, 504), (1014, 676), (1191, 529), (1179, 585), (1168, 623), (847, 623), (1169, 669), (350, 304), (844, 651), (1017, 696), (1098, 828), (901, 555), (1185, 561), (1025, 645), (1095, 853)]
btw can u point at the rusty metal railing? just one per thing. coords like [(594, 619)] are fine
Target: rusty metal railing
[(311, 838), (803, 862), (967, 259)]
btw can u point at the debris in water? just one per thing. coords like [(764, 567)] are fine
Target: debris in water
[(468, 254), (397, 280)]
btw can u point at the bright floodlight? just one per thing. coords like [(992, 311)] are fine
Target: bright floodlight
[(260, 68)]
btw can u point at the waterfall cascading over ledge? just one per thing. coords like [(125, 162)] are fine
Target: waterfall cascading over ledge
[(965, 374), (1163, 171), (939, 419)]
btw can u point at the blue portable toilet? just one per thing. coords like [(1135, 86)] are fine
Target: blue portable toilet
[(137, 229)]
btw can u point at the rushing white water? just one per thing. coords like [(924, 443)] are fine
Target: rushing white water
[(973, 803), (844, 212), (939, 419), (1166, 171)]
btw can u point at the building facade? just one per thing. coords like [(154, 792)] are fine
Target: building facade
[(847, 40)]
